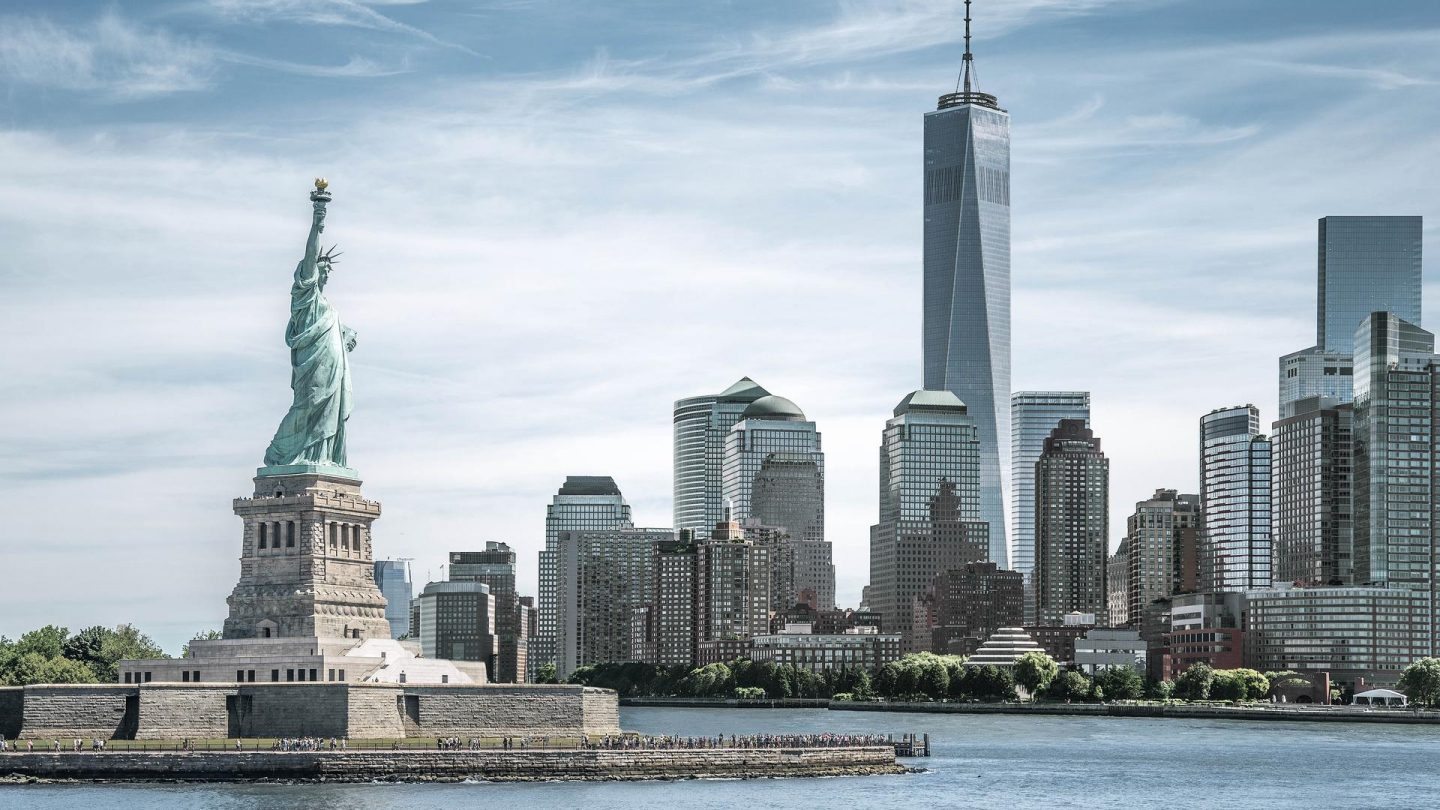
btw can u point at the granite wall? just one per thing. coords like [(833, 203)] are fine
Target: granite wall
[(495, 765), (177, 711), (363, 711), (85, 711)]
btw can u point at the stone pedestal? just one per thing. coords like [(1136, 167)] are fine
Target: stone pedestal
[(306, 566)]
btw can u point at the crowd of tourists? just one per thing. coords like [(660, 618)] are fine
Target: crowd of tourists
[(742, 741), (304, 744)]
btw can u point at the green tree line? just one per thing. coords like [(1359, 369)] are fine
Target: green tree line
[(51, 655)]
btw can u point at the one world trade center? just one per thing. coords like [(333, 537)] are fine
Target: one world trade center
[(967, 275)]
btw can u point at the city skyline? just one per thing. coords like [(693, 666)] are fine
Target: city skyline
[(547, 374)]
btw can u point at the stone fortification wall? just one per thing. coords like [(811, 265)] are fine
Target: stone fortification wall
[(513, 710), (177, 711), (453, 765), (12, 708), (374, 711), (64, 710), (292, 710)]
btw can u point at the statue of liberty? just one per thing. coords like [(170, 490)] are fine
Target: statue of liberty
[(313, 432)]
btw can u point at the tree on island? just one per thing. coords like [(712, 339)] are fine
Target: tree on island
[(51, 655), (1069, 685), (1035, 671), (1421, 682)]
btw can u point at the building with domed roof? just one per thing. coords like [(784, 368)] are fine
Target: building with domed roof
[(701, 425), (773, 474)]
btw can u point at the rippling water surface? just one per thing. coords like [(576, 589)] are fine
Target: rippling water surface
[(980, 761)]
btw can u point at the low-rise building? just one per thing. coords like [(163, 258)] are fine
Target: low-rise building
[(861, 647), (1104, 648), (1369, 633)]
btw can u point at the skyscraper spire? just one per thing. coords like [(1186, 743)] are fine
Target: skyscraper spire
[(969, 57), (966, 87)]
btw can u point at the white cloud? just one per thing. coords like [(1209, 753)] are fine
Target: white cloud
[(110, 55)]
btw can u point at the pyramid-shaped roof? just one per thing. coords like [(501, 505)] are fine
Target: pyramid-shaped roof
[(1004, 648), (744, 390)]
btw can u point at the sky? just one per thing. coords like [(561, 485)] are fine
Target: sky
[(560, 217)]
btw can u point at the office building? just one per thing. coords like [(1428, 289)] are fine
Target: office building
[(456, 621), (1312, 468), (1072, 523), (583, 503), (1397, 389), (1366, 264), (1370, 633), (970, 603), (701, 425), (495, 568), (966, 328), (797, 646), (1234, 500), (774, 475), (603, 577), (392, 577), (1162, 539), (1103, 648), (930, 518), (1033, 414)]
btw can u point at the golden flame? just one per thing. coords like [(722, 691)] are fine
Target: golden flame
[(321, 183)]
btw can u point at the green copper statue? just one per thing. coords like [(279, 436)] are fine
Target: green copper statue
[(312, 434)]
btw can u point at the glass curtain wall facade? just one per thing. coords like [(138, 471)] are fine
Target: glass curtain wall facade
[(930, 518), (583, 503), (1314, 532), (774, 475), (966, 331), (1367, 264), (1072, 524), (701, 425), (1033, 414), (1234, 500), (495, 568), (1395, 457), (393, 579)]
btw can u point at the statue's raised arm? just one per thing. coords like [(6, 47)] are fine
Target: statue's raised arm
[(313, 432)]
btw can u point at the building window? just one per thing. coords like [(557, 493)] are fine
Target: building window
[(239, 675), (127, 677), (312, 675), (274, 676), (289, 675), (196, 677), (289, 538), (402, 677), (250, 676), (263, 531), (342, 674), (444, 678), (147, 677), (290, 532)]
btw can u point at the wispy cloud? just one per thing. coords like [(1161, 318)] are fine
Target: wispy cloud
[(357, 67), (345, 13), (111, 55)]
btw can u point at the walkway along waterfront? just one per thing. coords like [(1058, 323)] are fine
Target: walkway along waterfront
[(590, 764)]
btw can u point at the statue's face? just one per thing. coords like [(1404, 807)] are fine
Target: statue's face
[(324, 272)]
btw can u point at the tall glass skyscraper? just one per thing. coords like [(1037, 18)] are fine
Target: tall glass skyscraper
[(774, 475), (392, 577), (929, 507), (967, 276), (584, 503), (1367, 264), (1234, 500), (701, 425), (1033, 414)]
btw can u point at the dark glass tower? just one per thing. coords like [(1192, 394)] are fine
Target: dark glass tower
[(967, 275)]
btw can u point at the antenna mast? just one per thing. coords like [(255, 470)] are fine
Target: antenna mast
[(969, 57)]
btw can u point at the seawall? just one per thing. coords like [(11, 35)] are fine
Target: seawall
[(502, 765), (1328, 714)]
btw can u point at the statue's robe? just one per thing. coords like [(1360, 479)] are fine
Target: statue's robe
[(313, 432)]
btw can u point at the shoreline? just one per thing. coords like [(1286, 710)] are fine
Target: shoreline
[(1327, 714), (589, 765)]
